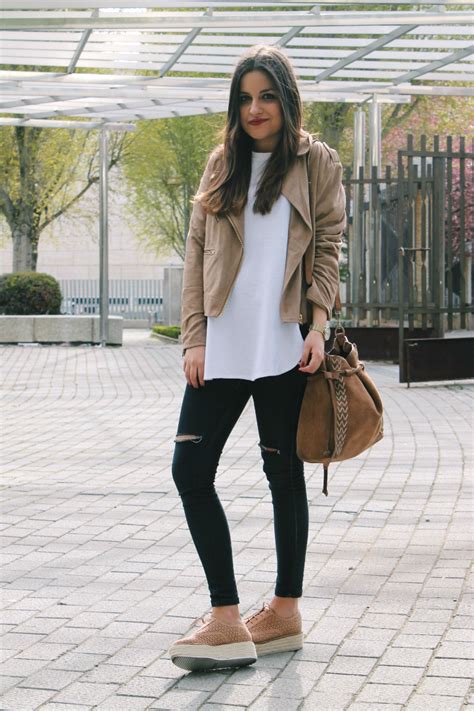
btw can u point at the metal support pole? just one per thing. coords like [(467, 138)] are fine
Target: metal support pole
[(374, 243), (468, 283), (104, 236), (355, 245), (439, 171), (375, 134)]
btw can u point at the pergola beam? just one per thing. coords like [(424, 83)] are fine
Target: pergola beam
[(364, 51), (181, 49), (170, 4), (187, 20), (291, 34), (80, 47), (82, 125), (432, 66)]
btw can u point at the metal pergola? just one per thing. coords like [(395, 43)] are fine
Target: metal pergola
[(340, 55), (104, 64)]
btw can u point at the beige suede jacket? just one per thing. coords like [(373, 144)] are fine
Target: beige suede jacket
[(215, 245)]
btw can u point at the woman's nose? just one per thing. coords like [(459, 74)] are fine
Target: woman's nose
[(255, 107)]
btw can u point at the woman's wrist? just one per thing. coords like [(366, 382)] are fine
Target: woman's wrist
[(318, 328)]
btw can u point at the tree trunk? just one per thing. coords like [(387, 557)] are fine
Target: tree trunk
[(25, 247)]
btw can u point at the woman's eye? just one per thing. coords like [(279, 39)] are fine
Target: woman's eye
[(269, 97), (244, 98)]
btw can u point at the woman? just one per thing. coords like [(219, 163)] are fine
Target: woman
[(261, 259)]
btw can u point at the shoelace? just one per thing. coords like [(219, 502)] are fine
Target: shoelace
[(200, 621), (259, 612), (203, 620)]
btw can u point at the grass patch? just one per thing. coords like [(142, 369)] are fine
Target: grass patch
[(169, 331)]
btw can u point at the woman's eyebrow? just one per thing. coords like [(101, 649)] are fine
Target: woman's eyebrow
[(263, 91)]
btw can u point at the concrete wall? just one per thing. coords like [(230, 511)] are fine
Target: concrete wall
[(58, 329)]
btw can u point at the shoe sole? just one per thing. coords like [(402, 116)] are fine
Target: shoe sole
[(204, 657), (283, 644)]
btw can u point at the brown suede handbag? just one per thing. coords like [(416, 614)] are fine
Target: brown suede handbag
[(341, 413)]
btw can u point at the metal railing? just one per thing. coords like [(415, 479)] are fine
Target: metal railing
[(130, 298)]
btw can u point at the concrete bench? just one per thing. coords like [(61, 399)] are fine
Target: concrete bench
[(58, 329)]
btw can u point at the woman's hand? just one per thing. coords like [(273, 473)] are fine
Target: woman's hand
[(313, 352), (193, 366)]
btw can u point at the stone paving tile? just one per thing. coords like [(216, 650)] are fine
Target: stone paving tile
[(145, 686), (110, 674), (222, 707), (421, 702), (271, 703), (361, 706), (385, 693), (21, 699), (238, 694), (44, 650), (180, 699), (441, 685), (397, 675), (54, 679), (123, 703), (294, 687), (101, 574), (63, 707), (78, 662), (406, 657), (342, 683), (351, 665), (85, 693), (452, 668)]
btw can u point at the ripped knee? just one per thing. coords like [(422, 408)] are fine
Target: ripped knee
[(195, 439), (268, 450)]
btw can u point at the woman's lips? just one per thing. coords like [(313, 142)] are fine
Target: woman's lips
[(257, 122)]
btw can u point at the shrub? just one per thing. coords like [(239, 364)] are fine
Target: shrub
[(29, 293), (170, 331)]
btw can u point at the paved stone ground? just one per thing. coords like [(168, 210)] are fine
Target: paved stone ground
[(100, 575)]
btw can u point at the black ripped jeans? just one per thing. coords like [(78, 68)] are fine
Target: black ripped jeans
[(207, 418)]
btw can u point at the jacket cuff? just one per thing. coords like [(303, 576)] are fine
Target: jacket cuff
[(193, 332)]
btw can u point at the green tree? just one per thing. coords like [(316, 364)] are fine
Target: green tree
[(163, 168), (43, 175)]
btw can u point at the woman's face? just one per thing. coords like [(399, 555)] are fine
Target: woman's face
[(260, 110)]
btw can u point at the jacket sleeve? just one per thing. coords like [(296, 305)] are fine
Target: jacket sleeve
[(329, 220), (193, 320)]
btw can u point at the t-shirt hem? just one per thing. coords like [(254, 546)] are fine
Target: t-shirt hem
[(279, 371)]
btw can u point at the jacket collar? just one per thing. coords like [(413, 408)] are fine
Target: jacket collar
[(305, 142)]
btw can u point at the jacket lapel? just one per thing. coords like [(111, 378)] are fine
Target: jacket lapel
[(236, 219), (296, 190)]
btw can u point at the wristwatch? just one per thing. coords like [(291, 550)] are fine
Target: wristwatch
[(325, 330)]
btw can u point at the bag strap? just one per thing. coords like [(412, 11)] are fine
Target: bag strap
[(343, 373)]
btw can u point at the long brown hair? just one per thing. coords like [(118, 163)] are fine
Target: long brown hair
[(230, 182)]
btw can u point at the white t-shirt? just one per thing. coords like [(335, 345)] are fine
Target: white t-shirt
[(249, 340)]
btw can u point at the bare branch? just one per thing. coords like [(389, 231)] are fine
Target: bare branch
[(92, 179), (395, 119), (69, 204)]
